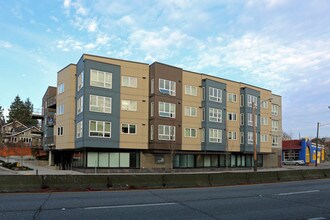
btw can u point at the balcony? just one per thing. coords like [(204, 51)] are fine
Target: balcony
[(51, 102), (51, 120)]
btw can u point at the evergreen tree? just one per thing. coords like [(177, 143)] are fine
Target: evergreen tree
[(2, 117), (21, 111)]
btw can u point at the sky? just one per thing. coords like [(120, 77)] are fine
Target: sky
[(281, 45)]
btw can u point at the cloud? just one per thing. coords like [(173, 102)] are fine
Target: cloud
[(54, 18), (92, 26), (67, 3), (159, 43), (5, 44)]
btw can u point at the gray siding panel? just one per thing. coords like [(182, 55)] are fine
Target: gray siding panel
[(206, 104), (86, 115)]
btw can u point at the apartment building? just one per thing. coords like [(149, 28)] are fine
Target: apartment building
[(115, 114)]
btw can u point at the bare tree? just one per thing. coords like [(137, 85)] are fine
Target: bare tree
[(287, 136)]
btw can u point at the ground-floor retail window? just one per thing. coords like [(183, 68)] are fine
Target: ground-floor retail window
[(214, 160), (107, 160)]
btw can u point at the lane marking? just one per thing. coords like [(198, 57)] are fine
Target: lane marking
[(316, 218), (301, 192), (130, 206)]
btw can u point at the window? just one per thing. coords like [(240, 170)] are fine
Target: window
[(264, 104), (274, 125), (128, 129), (60, 109), (203, 114), (274, 110), (250, 138), (264, 138), (203, 135), (215, 95), (100, 104), (166, 132), (190, 132), (80, 80), (60, 131), (80, 103), (203, 95), (101, 79), (232, 135), (167, 87), (100, 129), (215, 135), (264, 121), (79, 129), (242, 100), (232, 116), (60, 88), (253, 99), (275, 141), (250, 118), (128, 81), (190, 90), (166, 110), (128, 105), (242, 118), (152, 86), (242, 138), (190, 111), (215, 115), (232, 97), (152, 109), (151, 132)]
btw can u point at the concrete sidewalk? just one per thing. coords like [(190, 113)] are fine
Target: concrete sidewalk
[(39, 167), (42, 168)]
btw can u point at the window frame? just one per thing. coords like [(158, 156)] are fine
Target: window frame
[(215, 94), (217, 138), (189, 90), (80, 81), (190, 132), (215, 115), (129, 128), (80, 105), (103, 132), (164, 135), (163, 113), (231, 97), (98, 82), (233, 116), (171, 90), (189, 110), (129, 106), (131, 83), (79, 127), (99, 100)]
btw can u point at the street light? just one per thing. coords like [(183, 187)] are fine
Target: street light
[(255, 159), (317, 137)]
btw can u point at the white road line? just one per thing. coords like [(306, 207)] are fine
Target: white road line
[(301, 192), (316, 218), (130, 206)]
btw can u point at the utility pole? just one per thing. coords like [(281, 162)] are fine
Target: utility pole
[(255, 164), (317, 141)]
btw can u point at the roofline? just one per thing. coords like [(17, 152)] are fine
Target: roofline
[(156, 62), (66, 67), (16, 122), (110, 58)]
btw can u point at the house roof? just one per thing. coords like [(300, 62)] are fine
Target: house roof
[(291, 145)]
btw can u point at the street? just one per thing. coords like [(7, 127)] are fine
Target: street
[(290, 200)]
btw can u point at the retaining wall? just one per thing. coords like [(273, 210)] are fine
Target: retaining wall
[(30, 183)]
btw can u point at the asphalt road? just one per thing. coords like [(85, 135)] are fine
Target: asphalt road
[(290, 200)]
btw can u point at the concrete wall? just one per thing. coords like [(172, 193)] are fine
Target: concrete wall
[(27, 183)]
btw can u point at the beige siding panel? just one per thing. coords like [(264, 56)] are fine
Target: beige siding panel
[(66, 76), (190, 143)]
